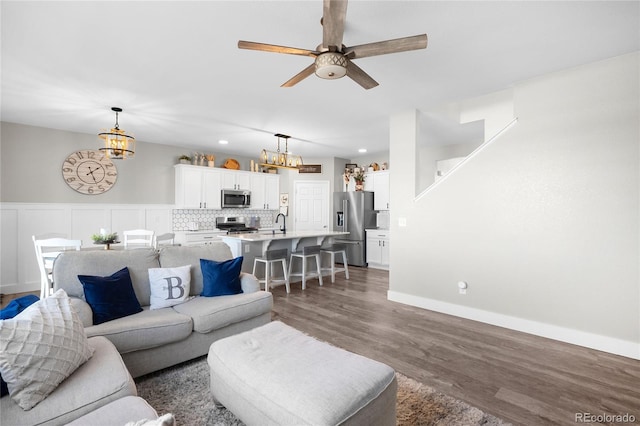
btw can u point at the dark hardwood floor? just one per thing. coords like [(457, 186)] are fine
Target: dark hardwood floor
[(521, 378), (518, 377)]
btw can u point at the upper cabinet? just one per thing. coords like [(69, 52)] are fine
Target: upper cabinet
[(265, 191), (234, 179), (197, 187), (200, 187), (379, 182)]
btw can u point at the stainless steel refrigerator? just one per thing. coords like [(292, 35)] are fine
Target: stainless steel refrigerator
[(353, 212)]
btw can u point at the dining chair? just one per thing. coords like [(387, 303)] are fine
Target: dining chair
[(47, 249), (165, 239), (138, 238)]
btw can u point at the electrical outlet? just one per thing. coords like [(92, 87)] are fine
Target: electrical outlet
[(462, 287), (247, 248), (402, 221), (463, 291)]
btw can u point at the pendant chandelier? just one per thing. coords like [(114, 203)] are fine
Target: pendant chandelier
[(117, 144), (283, 160)]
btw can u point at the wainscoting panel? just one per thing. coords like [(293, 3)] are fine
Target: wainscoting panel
[(19, 221)]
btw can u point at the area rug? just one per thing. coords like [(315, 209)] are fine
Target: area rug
[(184, 391)]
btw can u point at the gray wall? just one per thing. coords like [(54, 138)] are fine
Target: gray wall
[(31, 159), (543, 223)]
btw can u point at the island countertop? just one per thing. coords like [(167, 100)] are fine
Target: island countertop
[(292, 240), (278, 235)]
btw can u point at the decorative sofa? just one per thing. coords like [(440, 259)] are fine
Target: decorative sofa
[(154, 339), (141, 343)]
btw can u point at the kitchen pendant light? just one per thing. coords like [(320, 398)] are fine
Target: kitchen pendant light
[(117, 144), (283, 160)]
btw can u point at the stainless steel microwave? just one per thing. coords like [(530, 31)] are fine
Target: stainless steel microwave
[(236, 199)]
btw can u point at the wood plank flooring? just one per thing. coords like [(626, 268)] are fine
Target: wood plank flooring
[(521, 378), (518, 377)]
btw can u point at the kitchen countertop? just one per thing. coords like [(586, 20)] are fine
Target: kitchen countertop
[(292, 235)]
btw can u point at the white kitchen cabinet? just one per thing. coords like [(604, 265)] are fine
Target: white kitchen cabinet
[(235, 179), (265, 191), (380, 187), (198, 238), (197, 187), (378, 248)]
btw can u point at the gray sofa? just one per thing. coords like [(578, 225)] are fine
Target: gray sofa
[(155, 339), (101, 380)]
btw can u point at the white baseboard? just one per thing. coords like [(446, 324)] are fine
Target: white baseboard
[(594, 341)]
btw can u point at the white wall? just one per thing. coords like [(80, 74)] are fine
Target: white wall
[(543, 224)]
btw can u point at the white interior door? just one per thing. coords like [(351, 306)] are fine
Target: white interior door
[(311, 205)]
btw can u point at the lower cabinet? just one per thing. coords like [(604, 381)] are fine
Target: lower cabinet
[(378, 248), (198, 238)]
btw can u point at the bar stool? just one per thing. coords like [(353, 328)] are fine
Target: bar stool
[(306, 253), (332, 251), (269, 259)]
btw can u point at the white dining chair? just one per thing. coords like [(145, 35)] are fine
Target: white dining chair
[(47, 249), (138, 238), (165, 239)]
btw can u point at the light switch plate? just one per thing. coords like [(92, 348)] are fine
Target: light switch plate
[(402, 221)]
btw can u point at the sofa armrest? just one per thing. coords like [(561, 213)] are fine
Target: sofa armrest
[(249, 282), (84, 311)]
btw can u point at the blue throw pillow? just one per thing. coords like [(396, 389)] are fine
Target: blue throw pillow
[(221, 278), (110, 297), (11, 310), (17, 305)]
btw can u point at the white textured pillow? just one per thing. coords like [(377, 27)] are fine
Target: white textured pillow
[(169, 286), (40, 347)]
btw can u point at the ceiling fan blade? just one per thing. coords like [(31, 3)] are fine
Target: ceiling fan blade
[(333, 15), (359, 76), (300, 76), (250, 45), (388, 46)]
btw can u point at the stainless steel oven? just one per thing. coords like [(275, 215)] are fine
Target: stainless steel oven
[(236, 199)]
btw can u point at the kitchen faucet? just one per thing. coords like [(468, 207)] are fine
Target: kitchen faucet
[(283, 228)]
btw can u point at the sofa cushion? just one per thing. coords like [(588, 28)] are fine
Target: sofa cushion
[(118, 412), (221, 278), (211, 313), (144, 330), (41, 347), (169, 286), (100, 380), (173, 256), (70, 264), (110, 297)]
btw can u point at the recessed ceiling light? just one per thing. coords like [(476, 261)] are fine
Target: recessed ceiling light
[(223, 142), (362, 150)]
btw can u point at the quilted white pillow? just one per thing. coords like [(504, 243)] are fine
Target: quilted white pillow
[(40, 347), (169, 286)]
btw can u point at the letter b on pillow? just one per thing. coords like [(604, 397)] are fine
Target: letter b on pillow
[(169, 286)]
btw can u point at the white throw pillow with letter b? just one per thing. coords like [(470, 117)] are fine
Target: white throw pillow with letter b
[(169, 286)]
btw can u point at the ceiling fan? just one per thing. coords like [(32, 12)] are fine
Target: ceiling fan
[(332, 58)]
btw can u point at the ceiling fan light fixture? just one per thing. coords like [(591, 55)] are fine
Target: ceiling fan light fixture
[(331, 65)]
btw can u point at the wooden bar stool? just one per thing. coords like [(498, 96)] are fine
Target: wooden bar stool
[(306, 253), (269, 259), (332, 251)]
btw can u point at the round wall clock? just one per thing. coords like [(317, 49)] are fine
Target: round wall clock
[(89, 172)]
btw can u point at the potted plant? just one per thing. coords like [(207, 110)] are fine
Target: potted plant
[(359, 178), (184, 159), (106, 239)]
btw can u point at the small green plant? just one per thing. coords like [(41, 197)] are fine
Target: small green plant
[(105, 238), (184, 157), (359, 177)]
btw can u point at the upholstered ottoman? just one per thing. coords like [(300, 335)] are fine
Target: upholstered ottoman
[(277, 375)]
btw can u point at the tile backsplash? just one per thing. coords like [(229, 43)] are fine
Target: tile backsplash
[(207, 218)]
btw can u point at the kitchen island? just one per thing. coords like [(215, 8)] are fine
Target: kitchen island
[(251, 245)]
